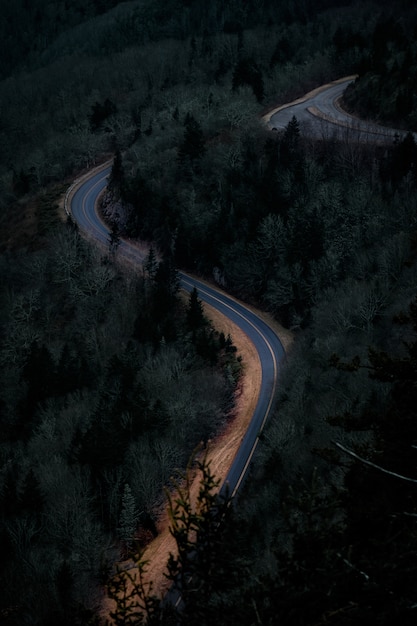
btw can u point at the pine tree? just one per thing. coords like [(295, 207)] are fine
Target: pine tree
[(38, 373), (30, 497), (247, 72), (195, 312), (290, 143), (114, 237), (192, 147), (100, 112), (151, 264), (116, 174), (196, 526), (135, 601), (128, 518)]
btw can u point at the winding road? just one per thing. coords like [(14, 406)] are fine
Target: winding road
[(81, 202), (320, 115)]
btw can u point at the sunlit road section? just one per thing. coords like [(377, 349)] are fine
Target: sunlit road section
[(82, 206)]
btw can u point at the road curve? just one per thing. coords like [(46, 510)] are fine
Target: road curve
[(319, 115), (82, 204)]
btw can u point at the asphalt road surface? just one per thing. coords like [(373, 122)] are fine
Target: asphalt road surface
[(82, 206), (319, 115)]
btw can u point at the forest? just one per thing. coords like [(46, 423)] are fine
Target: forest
[(110, 376)]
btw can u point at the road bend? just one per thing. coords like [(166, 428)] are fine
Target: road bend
[(82, 206), (320, 115)]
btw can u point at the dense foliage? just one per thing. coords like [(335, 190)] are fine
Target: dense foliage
[(126, 73), (282, 221), (102, 396), (331, 537), (386, 87)]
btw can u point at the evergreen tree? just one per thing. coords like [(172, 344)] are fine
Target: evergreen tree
[(247, 72), (195, 312), (196, 526), (128, 519), (38, 373), (114, 237), (403, 159), (31, 498), (135, 601), (192, 147), (101, 112), (281, 52), (290, 148), (151, 264), (116, 174)]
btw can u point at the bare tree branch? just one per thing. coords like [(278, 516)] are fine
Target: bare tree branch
[(349, 564), (378, 467)]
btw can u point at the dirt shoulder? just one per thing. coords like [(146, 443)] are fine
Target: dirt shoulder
[(222, 449), (224, 446)]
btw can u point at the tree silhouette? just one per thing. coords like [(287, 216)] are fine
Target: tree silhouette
[(116, 174), (380, 485), (195, 524), (192, 147), (114, 236), (195, 312), (247, 72), (101, 112), (128, 519)]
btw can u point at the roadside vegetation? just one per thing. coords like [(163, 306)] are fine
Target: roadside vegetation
[(386, 87), (103, 399), (109, 378)]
